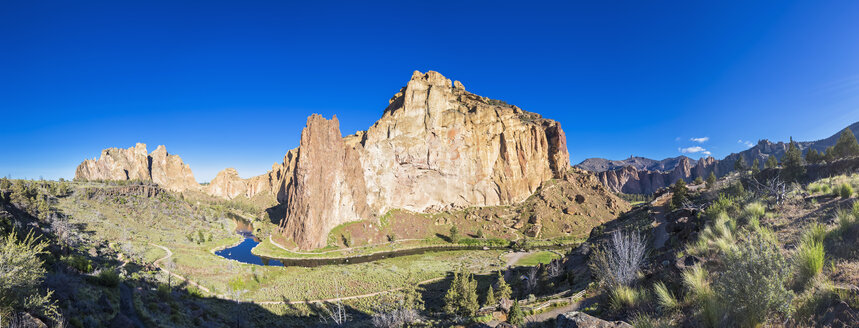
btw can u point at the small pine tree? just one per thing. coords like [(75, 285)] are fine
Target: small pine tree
[(680, 192), (771, 163), (846, 146), (829, 155), (516, 316), (698, 181), (756, 166), (793, 163), (461, 297), (740, 165), (490, 298), (412, 298), (454, 234), (503, 290), (711, 180), (813, 156)]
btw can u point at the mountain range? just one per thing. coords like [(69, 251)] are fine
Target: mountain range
[(640, 175)]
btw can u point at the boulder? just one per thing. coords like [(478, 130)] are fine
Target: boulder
[(581, 320)]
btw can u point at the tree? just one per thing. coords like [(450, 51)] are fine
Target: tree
[(756, 167), (793, 163), (846, 146), (454, 234), (516, 316), (698, 181), (829, 155), (490, 298), (461, 297), (680, 192), (711, 180), (502, 290), (771, 163), (740, 164), (813, 156)]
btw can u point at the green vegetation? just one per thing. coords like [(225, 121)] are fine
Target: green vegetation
[(516, 315), (664, 297), (461, 297), (845, 190), (772, 162), (711, 180), (679, 194), (794, 168), (536, 258), (624, 297), (502, 289), (21, 273)]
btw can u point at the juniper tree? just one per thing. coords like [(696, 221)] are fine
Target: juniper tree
[(771, 163), (680, 192), (793, 163), (711, 180), (846, 146), (503, 290)]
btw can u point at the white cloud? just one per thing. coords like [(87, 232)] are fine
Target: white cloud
[(693, 149), (701, 139), (707, 152), (747, 143)]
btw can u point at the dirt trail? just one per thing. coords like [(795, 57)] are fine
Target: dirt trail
[(660, 209)]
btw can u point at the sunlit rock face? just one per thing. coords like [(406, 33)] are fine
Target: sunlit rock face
[(436, 147), (135, 164)]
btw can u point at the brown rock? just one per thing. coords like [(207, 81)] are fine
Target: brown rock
[(135, 164), (581, 320)]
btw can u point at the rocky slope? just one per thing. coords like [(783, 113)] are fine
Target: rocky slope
[(638, 175), (135, 164)]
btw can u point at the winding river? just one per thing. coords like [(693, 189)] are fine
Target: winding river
[(242, 252)]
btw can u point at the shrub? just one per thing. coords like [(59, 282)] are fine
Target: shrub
[(622, 297), (845, 190), (395, 318), (618, 262), (754, 211), (696, 281), (664, 297), (816, 233), (808, 259), (721, 204), (79, 263), (845, 219), (164, 291), (754, 281), (814, 188), (108, 277)]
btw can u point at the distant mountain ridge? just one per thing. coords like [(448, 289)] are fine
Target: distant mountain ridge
[(637, 162), (640, 175)]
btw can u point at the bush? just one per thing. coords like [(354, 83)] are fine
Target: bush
[(516, 316), (754, 211), (624, 297), (845, 190), (721, 204), (108, 277), (79, 263), (696, 281), (21, 273), (754, 281), (618, 262), (664, 297), (846, 219)]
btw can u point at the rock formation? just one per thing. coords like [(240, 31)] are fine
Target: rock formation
[(135, 164), (436, 147)]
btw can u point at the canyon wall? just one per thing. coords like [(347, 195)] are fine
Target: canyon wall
[(135, 164)]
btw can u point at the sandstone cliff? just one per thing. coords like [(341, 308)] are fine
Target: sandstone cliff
[(436, 147), (134, 163)]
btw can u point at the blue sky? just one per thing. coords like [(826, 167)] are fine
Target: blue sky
[(230, 84)]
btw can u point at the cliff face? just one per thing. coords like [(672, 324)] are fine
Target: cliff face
[(135, 164), (630, 180), (436, 147), (326, 186)]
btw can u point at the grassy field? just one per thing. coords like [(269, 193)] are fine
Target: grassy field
[(541, 257)]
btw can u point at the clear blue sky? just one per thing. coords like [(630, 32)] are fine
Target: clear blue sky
[(231, 84)]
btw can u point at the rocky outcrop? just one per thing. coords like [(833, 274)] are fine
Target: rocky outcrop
[(134, 163), (439, 146), (582, 320), (639, 163), (326, 187)]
